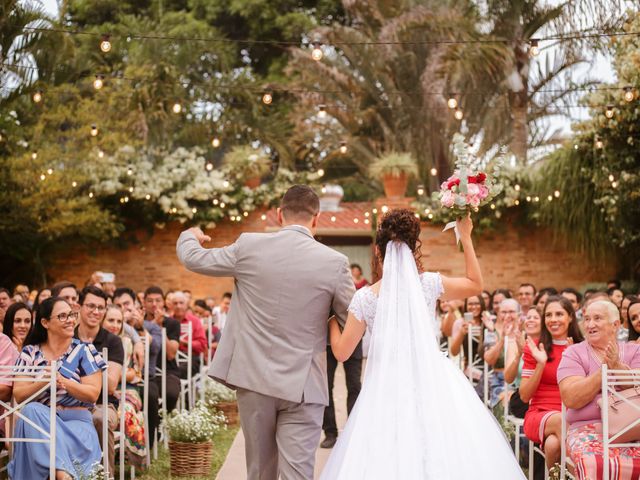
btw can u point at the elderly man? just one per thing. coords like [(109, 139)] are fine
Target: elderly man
[(580, 380)]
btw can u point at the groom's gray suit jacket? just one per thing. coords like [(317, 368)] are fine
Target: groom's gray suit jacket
[(286, 286)]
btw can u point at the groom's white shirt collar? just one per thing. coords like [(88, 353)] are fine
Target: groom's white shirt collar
[(300, 228)]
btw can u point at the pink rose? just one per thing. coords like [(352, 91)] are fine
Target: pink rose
[(447, 199), (473, 200), (473, 189), (484, 192)]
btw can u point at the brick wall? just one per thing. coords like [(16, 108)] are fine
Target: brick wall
[(507, 257)]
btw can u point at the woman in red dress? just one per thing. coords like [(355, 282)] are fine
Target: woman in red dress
[(539, 386)]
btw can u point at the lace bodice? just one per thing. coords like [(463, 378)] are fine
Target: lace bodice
[(365, 301)]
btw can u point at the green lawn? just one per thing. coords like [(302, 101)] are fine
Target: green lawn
[(160, 467)]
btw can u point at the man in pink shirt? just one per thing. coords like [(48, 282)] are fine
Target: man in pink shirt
[(199, 340)]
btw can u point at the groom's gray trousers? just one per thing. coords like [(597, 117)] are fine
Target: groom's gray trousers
[(281, 437)]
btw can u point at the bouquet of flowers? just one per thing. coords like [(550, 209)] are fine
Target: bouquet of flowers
[(468, 188), (194, 426)]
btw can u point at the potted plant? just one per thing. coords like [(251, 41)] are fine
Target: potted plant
[(221, 398), (191, 434), (394, 169), (247, 164)]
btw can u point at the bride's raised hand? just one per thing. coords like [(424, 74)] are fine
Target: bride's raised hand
[(464, 226)]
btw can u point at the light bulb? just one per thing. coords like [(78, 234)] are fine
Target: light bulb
[(131, 189), (375, 211), (528, 198), (194, 210), (420, 190), (225, 184), (215, 143), (147, 196), (493, 206), (599, 144), (105, 44), (246, 214), (43, 176), (355, 220), (549, 198), (536, 199), (216, 201), (37, 96), (129, 171), (611, 178), (517, 187), (98, 83), (74, 184), (343, 147), (433, 172), (323, 190), (263, 217), (100, 154), (34, 155), (209, 166), (90, 194), (322, 112), (177, 108), (317, 52), (50, 171), (94, 130), (628, 94), (609, 112), (517, 202), (384, 209), (556, 194), (267, 98), (333, 219), (575, 147), (614, 184), (126, 199), (222, 204), (321, 172), (366, 221), (452, 103), (430, 216), (534, 49), (367, 214), (458, 114)]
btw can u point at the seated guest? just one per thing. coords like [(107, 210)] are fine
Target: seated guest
[(494, 347), (580, 378), (79, 382), (475, 306), (155, 312), (133, 416), (575, 298), (220, 312), (623, 331), (203, 311), (496, 299), (68, 292), (633, 313), (198, 338), (41, 296), (542, 296), (539, 385), (5, 301), (8, 356), (616, 295), (514, 363), (93, 305), (17, 323), (21, 293), (358, 279)]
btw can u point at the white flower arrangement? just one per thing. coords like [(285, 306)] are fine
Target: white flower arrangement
[(198, 425), (215, 392)]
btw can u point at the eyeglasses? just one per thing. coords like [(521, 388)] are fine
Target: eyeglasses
[(67, 317), (98, 308)]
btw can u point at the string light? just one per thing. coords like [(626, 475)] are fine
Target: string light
[(194, 210), (628, 94), (430, 216), (322, 112), (452, 102), (215, 143), (367, 214), (556, 194), (614, 184), (534, 49), (129, 171), (599, 144), (245, 214), (536, 199), (384, 209), (147, 196), (131, 189), (74, 184), (37, 96), (433, 172), (575, 147), (611, 178), (317, 52), (493, 206), (100, 154), (43, 177), (34, 155), (321, 172), (98, 83), (375, 211), (427, 211), (333, 219), (267, 98), (90, 194), (222, 204), (528, 198), (323, 190), (209, 166), (50, 171), (366, 221), (549, 198), (355, 220), (216, 201), (177, 108), (420, 190), (343, 147), (225, 184), (94, 130), (517, 202), (517, 187), (105, 44), (263, 217), (609, 112), (458, 114)]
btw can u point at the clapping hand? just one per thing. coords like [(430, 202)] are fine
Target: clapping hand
[(612, 355), (199, 234), (537, 351)]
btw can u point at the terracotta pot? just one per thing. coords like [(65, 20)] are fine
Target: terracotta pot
[(395, 186), (190, 459), (253, 182)]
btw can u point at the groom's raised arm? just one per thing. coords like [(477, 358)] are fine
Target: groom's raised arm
[(343, 293), (217, 262)]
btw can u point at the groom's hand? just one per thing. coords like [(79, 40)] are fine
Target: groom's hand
[(199, 234)]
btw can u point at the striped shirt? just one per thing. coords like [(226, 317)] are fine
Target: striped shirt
[(80, 360)]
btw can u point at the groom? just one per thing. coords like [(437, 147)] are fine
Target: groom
[(273, 350)]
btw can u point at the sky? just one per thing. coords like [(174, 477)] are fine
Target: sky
[(599, 68)]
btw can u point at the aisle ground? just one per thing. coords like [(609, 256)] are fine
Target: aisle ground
[(234, 467)]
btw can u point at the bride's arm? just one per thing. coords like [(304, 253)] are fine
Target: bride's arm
[(343, 343), (471, 284)]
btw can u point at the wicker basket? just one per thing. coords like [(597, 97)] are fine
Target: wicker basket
[(190, 459), (230, 410)]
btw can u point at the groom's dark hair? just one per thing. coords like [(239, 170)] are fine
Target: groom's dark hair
[(300, 203)]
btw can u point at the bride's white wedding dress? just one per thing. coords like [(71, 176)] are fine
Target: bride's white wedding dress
[(417, 416)]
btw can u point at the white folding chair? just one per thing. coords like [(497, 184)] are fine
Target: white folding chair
[(475, 332), (564, 460), (145, 405), (48, 379), (533, 449), (186, 358), (160, 434), (611, 379)]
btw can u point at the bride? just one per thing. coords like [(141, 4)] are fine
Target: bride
[(417, 416)]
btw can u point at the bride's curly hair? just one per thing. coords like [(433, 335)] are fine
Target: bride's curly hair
[(402, 225)]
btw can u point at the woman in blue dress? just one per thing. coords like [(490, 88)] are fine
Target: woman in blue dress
[(79, 383)]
